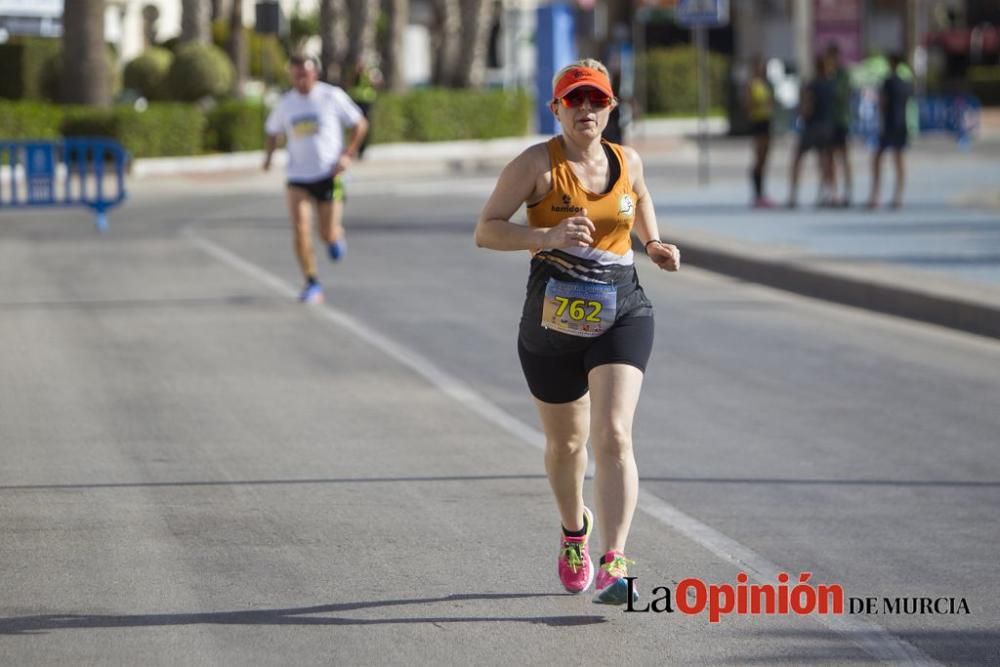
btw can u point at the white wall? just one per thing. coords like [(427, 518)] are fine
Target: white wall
[(417, 55)]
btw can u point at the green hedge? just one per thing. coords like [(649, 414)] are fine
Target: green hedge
[(29, 120), (445, 115), (199, 70), (266, 57), (147, 73), (183, 129), (162, 129), (672, 80), (235, 125), (21, 63)]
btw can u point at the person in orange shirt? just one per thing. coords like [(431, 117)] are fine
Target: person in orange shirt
[(586, 329)]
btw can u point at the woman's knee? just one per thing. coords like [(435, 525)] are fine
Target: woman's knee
[(613, 442), (565, 448)]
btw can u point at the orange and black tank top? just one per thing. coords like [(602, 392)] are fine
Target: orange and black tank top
[(612, 212)]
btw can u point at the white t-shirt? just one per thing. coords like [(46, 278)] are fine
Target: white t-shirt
[(313, 126)]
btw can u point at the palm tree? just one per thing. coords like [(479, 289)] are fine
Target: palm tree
[(237, 46), (444, 41), (333, 36), (397, 16), (360, 37), (195, 21), (85, 77), (473, 42), (218, 9)]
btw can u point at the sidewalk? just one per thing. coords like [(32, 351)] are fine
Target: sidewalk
[(936, 260)]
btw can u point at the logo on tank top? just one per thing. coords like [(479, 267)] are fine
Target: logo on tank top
[(626, 206), (567, 206)]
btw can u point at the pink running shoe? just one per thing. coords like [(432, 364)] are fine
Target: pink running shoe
[(612, 588), (576, 570)]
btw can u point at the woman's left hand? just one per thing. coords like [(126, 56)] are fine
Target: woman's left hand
[(664, 255)]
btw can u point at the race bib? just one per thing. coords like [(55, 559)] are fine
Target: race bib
[(579, 309), (305, 126)]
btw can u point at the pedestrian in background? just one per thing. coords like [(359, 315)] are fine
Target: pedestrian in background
[(758, 100), (312, 117), (364, 92), (816, 102), (842, 100), (893, 99)]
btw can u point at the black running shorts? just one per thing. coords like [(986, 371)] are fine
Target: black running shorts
[(323, 190), (563, 378)]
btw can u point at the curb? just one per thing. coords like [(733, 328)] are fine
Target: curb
[(879, 289), (432, 156), (202, 164)]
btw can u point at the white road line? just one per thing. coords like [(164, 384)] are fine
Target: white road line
[(873, 639)]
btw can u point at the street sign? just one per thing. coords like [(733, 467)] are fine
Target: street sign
[(702, 13)]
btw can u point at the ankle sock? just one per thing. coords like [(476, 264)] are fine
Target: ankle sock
[(576, 533)]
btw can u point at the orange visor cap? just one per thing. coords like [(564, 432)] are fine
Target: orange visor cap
[(579, 77)]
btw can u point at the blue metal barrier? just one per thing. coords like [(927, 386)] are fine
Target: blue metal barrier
[(955, 114), (64, 172)]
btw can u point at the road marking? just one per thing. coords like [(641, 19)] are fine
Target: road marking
[(873, 639)]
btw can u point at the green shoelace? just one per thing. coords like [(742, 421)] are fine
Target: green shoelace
[(571, 552), (618, 567)]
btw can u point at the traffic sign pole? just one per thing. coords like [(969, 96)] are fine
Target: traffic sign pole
[(700, 39), (699, 16)]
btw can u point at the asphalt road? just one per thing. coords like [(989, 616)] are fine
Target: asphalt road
[(198, 470)]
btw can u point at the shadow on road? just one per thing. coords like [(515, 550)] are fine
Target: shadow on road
[(42, 623), (957, 227), (882, 216), (268, 482), (984, 484), (111, 304), (823, 482), (935, 260)]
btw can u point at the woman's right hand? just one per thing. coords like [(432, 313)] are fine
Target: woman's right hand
[(575, 232)]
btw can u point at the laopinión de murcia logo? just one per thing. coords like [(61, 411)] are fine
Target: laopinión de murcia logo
[(785, 597)]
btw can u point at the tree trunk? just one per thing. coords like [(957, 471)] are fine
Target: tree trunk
[(332, 32), (195, 25), (397, 16), (360, 39), (473, 43), (445, 41), (237, 46), (85, 78), (218, 9)]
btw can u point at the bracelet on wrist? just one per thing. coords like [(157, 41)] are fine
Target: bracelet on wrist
[(645, 246)]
